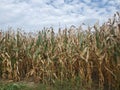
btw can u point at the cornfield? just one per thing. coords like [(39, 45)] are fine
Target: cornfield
[(92, 55)]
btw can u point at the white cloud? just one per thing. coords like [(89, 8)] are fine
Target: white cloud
[(36, 14), (87, 1)]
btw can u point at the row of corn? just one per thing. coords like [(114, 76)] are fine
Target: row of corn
[(93, 55)]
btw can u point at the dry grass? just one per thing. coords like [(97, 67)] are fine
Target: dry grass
[(67, 55)]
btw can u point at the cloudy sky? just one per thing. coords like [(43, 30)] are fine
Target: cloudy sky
[(36, 14)]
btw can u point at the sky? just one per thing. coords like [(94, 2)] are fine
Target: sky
[(34, 15)]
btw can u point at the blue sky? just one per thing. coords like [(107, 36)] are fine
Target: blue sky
[(36, 14)]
